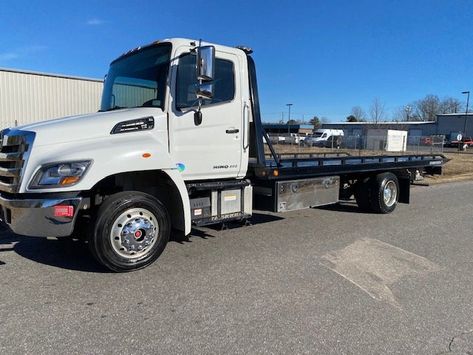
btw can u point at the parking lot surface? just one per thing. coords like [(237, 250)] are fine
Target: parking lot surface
[(326, 280)]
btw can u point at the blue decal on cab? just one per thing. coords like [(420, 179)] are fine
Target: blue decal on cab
[(180, 167)]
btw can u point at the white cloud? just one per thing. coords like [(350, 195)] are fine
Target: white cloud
[(94, 22), (20, 52), (7, 56)]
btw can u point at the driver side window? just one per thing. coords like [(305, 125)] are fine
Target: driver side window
[(186, 81)]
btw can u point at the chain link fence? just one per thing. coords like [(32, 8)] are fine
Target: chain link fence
[(358, 144)]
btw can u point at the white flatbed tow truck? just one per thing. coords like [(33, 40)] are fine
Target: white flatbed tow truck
[(178, 142)]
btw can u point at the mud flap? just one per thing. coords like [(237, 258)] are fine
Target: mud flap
[(405, 190)]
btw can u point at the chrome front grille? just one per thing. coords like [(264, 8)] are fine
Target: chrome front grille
[(14, 152)]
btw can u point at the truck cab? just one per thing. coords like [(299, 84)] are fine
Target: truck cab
[(214, 147), (162, 125)]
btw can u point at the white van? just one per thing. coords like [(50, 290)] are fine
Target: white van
[(323, 137)]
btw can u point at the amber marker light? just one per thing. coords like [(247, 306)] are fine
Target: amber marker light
[(68, 180), (276, 172), (146, 155)]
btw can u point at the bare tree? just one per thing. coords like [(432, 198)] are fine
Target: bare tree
[(402, 114), (358, 113), (352, 118), (377, 110), (315, 121), (427, 108), (450, 105)]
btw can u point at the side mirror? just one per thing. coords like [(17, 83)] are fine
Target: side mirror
[(204, 91), (205, 63), (205, 75)]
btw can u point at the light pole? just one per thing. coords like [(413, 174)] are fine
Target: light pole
[(289, 118), (408, 112), (466, 110)]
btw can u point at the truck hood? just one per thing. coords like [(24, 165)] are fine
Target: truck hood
[(87, 127)]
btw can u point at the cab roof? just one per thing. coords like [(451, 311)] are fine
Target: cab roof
[(177, 42)]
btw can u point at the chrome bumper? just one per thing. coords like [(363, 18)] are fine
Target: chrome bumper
[(40, 217)]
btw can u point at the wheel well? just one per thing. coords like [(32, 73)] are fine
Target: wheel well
[(154, 182), (404, 177)]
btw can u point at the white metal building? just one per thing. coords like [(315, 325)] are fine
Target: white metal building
[(27, 97)]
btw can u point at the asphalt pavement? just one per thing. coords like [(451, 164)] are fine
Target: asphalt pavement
[(327, 280)]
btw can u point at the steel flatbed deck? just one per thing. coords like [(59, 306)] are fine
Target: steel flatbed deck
[(294, 166)]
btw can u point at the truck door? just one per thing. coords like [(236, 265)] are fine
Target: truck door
[(213, 148)]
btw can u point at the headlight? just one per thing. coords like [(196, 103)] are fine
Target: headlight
[(59, 174)]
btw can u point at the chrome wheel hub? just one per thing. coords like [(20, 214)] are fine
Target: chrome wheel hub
[(390, 193), (134, 233)]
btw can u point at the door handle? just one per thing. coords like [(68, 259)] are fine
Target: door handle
[(232, 131)]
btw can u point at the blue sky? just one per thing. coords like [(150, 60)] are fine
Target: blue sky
[(324, 57)]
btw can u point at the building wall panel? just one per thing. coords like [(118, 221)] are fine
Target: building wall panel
[(31, 97)]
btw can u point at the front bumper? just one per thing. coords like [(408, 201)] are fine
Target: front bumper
[(43, 217)]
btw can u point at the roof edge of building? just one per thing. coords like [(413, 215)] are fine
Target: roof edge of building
[(63, 76), (378, 123)]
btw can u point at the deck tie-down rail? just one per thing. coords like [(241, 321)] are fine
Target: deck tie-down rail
[(351, 160), (297, 167)]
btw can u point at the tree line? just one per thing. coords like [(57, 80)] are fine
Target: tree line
[(425, 109)]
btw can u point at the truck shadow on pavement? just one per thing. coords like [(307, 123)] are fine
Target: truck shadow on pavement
[(64, 253), (203, 232), (344, 206), (73, 254)]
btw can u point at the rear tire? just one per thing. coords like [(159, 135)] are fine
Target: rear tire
[(130, 232), (385, 193)]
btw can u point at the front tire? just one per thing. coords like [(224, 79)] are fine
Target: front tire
[(130, 232)]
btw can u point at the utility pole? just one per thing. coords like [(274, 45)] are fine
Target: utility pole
[(289, 119), (408, 112), (466, 110)]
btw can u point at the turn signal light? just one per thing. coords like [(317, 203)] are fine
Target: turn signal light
[(68, 180)]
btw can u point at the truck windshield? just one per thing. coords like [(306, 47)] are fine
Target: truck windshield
[(137, 80)]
